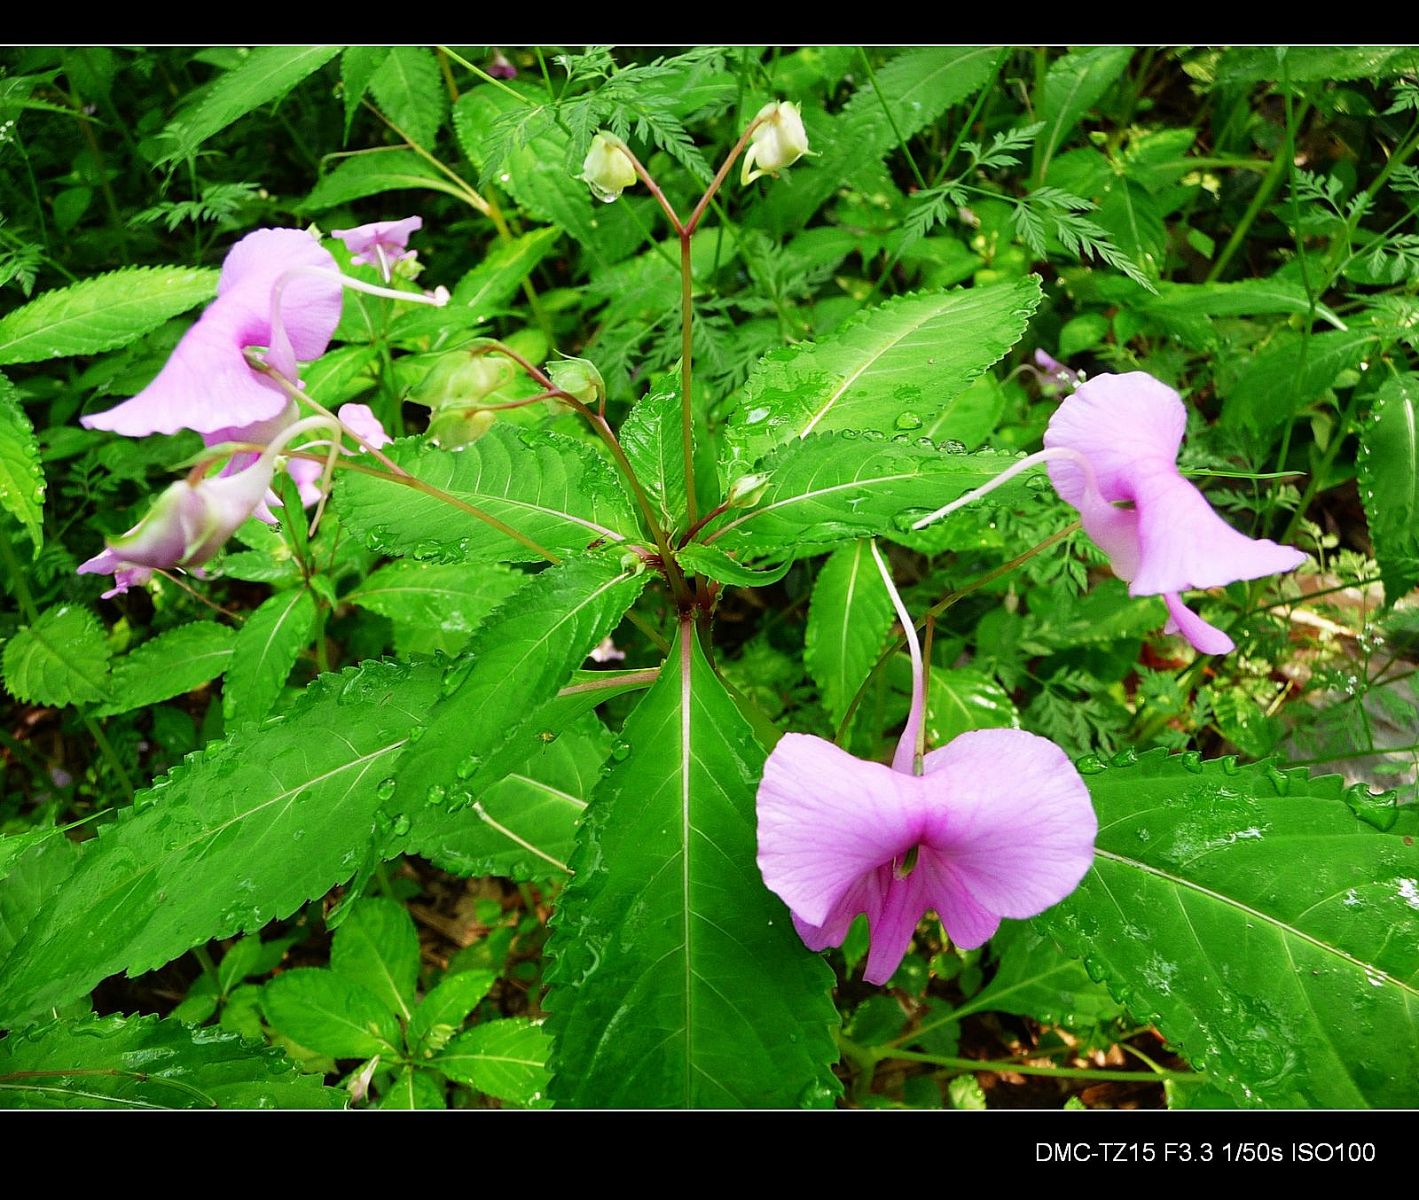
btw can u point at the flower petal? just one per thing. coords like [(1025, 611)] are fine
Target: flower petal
[(902, 904), (310, 306), (826, 819), (1118, 422), (1012, 827), (1205, 638), (392, 236), (361, 420), (1184, 544)]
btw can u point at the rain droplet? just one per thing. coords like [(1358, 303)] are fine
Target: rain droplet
[(908, 420)]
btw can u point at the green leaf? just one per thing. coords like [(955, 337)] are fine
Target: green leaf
[(1315, 64), (1245, 298), (21, 476), (524, 826), (1389, 482), (241, 834), (699, 559), (1036, 979), (506, 1059), (330, 1014), (144, 1062), (340, 374), (1073, 85), (414, 1089), (848, 620), (678, 980), (653, 440), (1259, 923), (29, 875), (971, 416), (435, 606), (1272, 384), (445, 1008), (372, 173), (833, 486), (267, 74), (357, 67), (517, 660), (912, 92), (61, 659), (895, 368), (487, 288), (264, 651), (549, 487), (102, 313), (409, 89), (377, 947), (171, 664)]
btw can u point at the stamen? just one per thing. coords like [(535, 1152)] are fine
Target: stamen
[(907, 865)]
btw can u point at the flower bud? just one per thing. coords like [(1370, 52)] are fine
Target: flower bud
[(778, 141), (578, 377), (747, 490), (607, 170)]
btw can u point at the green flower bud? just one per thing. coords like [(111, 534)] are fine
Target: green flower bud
[(578, 377), (607, 170)]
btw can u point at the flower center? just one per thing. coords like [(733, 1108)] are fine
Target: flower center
[(907, 864)]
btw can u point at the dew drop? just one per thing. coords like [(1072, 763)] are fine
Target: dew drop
[(908, 420)]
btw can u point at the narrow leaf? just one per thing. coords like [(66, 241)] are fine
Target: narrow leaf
[(848, 620), (21, 476), (171, 664), (377, 947), (1389, 482), (264, 651)]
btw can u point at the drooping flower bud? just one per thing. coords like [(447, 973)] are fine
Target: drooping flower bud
[(607, 169), (578, 377), (747, 490), (778, 141)]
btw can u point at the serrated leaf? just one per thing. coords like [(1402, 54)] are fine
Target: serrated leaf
[(506, 1059), (517, 660), (27, 879), (1073, 85), (409, 89), (377, 947), (326, 1012), (145, 1062), (1311, 64), (1035, 978), (711, 561), (833, 486), (1259, 923), (1389, 482), (61, 659), (357, 67), (487, 288), (102, 313), (1272, 384), (961, 699), (446, 1007), (653, 440), (267, 74), (549, 487), (894, 368), (241, 834), (372, 173), (171, 664), (848, 619), (21, 476), (264, 651), (678, 980), (524, 826), (437, 606)]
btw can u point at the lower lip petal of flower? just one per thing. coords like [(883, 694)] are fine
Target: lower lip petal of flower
[(1205, 638)]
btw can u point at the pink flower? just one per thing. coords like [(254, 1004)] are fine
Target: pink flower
[(998, 824), (1123, 432), (187, 526), (380, 243), (207, 385)]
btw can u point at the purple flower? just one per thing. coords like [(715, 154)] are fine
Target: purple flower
[(380, 243), (207, 384), (998, 824), (1124, 432), (187, 526)]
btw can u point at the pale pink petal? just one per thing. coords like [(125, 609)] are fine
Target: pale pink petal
[(902, 904), (390, 236), (968, 924), (826, 819), (1118, 422), (1205, 638), (1012, 825), (1185, 544), (863, 896), (310, 304), (1113, 529), (360, 419)]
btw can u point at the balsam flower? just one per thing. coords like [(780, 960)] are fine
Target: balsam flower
[(381, 243), (778, 141), (607, 169), (1124, 432), (263, 298), (998, 824)]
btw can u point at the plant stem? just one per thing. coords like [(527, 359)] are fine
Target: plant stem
[(891, 118), (965, 1065), (687, 353)]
